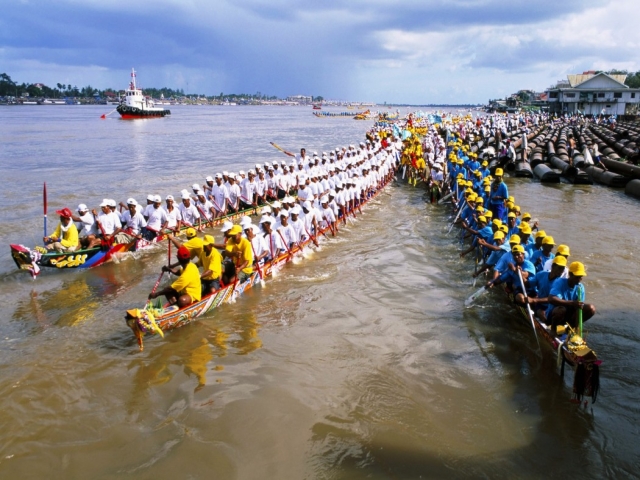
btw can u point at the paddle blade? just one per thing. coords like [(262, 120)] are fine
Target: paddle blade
[(103, 116), (44, 197), (474, 297)]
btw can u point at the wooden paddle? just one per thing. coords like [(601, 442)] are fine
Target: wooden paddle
[(44, 199), (524, 292)]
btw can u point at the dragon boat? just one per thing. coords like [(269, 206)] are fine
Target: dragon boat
[(156, 318), (33, 260)]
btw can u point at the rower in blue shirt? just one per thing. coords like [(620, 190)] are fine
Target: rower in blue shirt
[(543, 281), (567, 297), (511, 277), (540, 257), (498, 248)]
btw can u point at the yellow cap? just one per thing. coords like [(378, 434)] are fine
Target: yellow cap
[(525, 228), (484, 164), (480, 200), (526, 216), (208, 240), (577, 269), (236, 229), (560, 260), (498, 172), (503, 228), (516, 208), (548, 241), (482, 219), (497, 222), (563, 250), (488, 214), (480, 208), (477, 173), (460, 175), (191, 232), (517, 248), (498, 235), (487, 189), (511, 198), (509, 205), (541, 233), (511, 215), (514, 239)]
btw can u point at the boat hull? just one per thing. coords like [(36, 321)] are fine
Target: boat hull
[(127, 112)]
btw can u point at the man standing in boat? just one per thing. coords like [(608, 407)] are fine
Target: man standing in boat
[(566, 297), (499, 193)]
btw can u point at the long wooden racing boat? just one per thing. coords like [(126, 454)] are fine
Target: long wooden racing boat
[(157, 319), (34, 259)]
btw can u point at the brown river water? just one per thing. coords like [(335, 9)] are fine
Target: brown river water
[(357, 361)]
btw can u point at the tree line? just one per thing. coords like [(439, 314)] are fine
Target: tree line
[(10, 88)]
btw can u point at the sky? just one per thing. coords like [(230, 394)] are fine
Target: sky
[(414, 52)]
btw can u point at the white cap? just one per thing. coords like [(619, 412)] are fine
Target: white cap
[(112, 203), (324, 200), (185, 196), (332, 193), (195, 186), (244, 221), (150, 197), (266, 219), (306, 204), (82, 207), (315, 154), (225, 173), (200, 193), (241, 172), (255, 228), (209, 178), (302, 178), (338, 184), (157, 199), (283, 213), (132, 201), (227, 225), (296, 210), (218, 175), (169, 197), (288, 199), (276, 204), (252, 172), (266, 209)]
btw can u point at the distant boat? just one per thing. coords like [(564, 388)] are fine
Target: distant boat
[(317, 107), (49, 101), (136, 105)]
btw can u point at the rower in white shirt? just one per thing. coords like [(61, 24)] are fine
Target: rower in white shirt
[(234, 194), (174, 218), (204, 206), (86, 225), (108, 222), (157, 221), (188, 212), (248, 191), (133, 224), (275, 246), (219, 197)]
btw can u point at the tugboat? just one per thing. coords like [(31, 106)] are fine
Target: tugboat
[(136, 105)]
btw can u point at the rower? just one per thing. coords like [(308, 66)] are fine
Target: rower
[(193, 243), (258, 243), (204, 206), (87, 225), (240, 252), (174, 218), (158, 219), (498, 248), (275, 246), (562, 250), (511, 277), (219, 196), (542, 283), (541, 257), (564, 299), (133, 223), (211, 261), (187, 289), (65, 236), (188, 212), (108, 221), (286, 231)]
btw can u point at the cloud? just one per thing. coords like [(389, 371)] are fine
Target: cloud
[(414, 52)]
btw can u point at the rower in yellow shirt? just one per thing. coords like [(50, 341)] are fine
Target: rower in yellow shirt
[(65, 237), (193, 243), (211, 261), (240, 252), (187, 289)]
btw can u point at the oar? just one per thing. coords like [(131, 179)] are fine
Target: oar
[(44, 199), (580, 299), (456, 219), (285, 243), (155, 287), (476, 295), (278, 147), (445, 198), (524, 291), (105, 115)]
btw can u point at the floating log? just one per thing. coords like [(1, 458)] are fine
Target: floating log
[(545, 174), (523, 169), (621, 167), (609, 179), (633, 188)]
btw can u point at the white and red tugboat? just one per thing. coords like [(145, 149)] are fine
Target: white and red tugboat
[(136, 105)]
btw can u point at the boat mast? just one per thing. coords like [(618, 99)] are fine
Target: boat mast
[(133, 79)]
